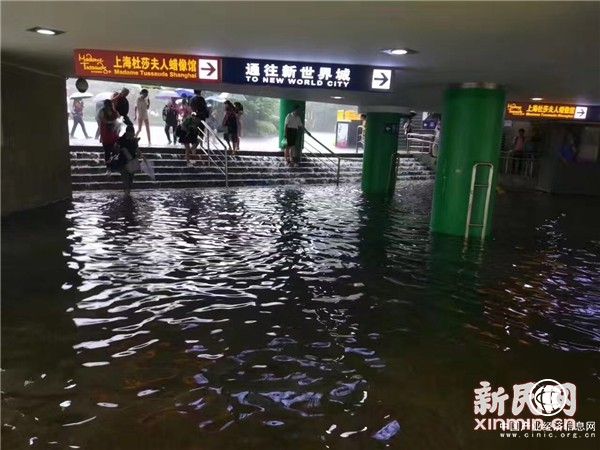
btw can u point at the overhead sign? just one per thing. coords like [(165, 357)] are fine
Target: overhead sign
[(289, 74), (208, 69), (524, 111), (296, 74), (146, 66), (382, 79)]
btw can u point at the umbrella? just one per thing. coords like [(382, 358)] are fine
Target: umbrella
[(80, 95), (166, 94), (103, 96), (226, 96), (185, 93)]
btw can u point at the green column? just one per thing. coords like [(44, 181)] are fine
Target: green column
[(379, 156), (285, 107), (472, 123)]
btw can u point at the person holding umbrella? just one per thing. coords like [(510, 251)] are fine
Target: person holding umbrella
[(77, 115)]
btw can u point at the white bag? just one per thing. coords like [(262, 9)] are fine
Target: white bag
[(148, 168), (133, 164)]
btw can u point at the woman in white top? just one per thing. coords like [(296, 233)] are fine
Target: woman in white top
[(293, 128), (141, 113)]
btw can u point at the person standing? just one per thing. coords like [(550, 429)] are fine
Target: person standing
[(141, 113), (230, 124), (185, 110), (435, 146), (169, 115), (189, 139), (99, 106), (518, 150), (200, 109), (293, 128), (128, 157), (107, 118), (77, 114), (121, 105), (239, 112)]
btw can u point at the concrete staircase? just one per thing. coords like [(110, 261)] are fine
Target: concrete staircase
[(250, 169)]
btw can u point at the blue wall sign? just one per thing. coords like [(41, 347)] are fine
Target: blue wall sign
[(295, 74)]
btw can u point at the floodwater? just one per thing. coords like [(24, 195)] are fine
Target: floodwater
[(289, 318)]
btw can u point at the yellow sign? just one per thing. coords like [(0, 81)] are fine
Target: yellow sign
[(518, 110), (347, 116)]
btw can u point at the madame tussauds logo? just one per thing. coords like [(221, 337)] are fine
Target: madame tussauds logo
[(542, 406)]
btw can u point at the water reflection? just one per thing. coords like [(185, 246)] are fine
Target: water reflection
[(303, 317)]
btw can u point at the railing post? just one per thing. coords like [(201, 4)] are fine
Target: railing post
[(226, 170), (338, 171)]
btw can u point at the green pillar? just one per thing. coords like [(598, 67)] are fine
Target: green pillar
[(379, 156), (472, 123), (285, 107)]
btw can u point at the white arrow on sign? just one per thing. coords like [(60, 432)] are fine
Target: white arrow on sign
[(580, 112), (381, 79), (208, 69)]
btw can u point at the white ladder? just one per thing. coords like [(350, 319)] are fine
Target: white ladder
[(488, 194)]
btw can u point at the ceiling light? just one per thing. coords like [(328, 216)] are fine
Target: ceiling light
[(537, 99), (336, 97), (398, 51), (45, 31)]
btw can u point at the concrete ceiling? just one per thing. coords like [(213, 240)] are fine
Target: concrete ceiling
[(547, 49)]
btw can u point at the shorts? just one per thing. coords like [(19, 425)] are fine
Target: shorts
[(291, 136), (189, 139)]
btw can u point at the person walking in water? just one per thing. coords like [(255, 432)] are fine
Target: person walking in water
[(141, 113), (293, 128), (77, 115), (169, 115), (127, 161)]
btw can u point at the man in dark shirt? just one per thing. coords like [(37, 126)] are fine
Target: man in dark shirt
[(200, 108), (122, 105)]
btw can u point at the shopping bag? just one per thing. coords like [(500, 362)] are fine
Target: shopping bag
[(148, 168)]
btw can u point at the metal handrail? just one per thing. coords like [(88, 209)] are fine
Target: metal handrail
[(486, 205), (208, 132), (329, 159)]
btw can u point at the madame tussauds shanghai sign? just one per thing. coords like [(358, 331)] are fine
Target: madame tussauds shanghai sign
[(293, 74)]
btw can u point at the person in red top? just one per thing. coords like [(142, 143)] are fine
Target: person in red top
[(121, 105), (77, 115), (185, 109), (109, 132)]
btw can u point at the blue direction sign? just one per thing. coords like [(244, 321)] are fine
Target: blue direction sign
[(296, 74)]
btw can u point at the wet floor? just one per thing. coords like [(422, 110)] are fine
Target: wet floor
[(289, 318)]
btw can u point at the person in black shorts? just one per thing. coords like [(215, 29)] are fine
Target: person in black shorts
[(293, 127)]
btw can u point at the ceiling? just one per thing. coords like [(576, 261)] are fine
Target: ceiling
[(546, 49)]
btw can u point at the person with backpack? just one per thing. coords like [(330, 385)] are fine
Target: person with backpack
[(169, 115)]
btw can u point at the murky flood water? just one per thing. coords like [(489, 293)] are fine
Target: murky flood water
[(289, 318)]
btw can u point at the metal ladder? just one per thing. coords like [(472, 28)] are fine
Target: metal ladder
[(488, 194)]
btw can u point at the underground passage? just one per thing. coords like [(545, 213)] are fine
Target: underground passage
[(332, 225)]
